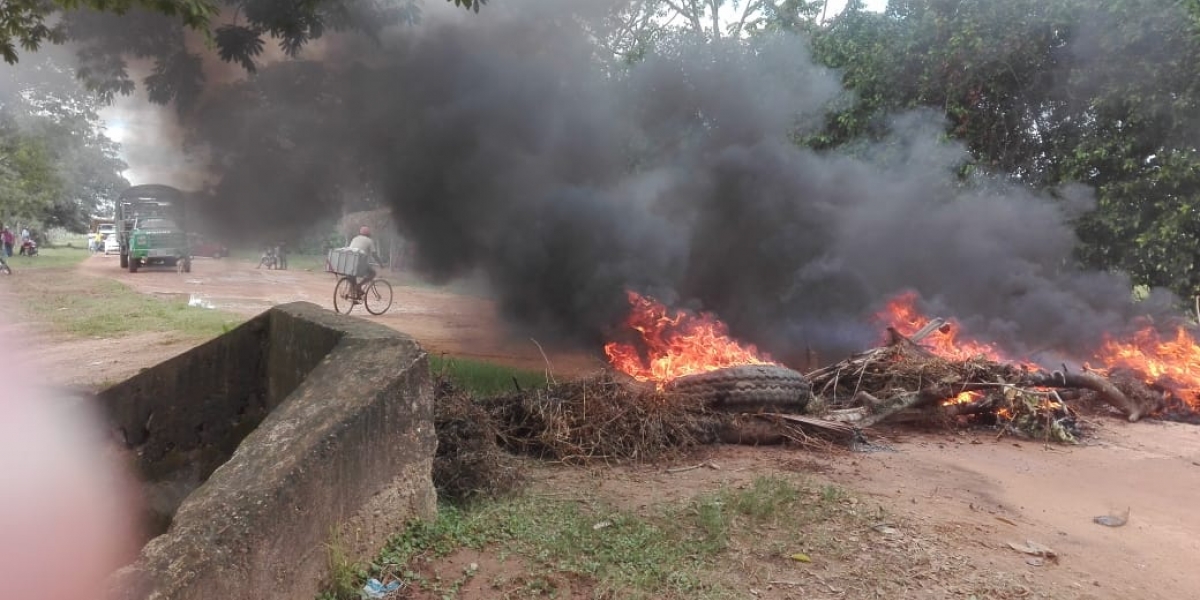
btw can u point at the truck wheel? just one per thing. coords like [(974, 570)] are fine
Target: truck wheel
[(124, 260), (133, 264), (748, 387)]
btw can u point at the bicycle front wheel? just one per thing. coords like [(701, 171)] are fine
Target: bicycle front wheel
[(343, 296), (378, 298)]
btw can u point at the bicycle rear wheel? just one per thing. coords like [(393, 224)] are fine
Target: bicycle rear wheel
[(343, 296), (378, 298)]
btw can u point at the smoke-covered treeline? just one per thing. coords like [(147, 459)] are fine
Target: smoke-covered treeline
[(955, 148), (514, 146)]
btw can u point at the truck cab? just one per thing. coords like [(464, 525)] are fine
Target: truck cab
[(150, 228), (157, 240)]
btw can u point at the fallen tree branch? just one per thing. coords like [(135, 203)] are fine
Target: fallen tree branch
[(904, 402), (1088, 380)]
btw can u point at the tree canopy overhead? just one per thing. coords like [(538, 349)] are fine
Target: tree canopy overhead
[(57, 167), (110, 32), (1049, 92), (1045, 92)]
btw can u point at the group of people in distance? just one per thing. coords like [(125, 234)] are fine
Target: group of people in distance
[(9, 241)]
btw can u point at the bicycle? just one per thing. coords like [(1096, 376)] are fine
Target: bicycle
[(376, 297)]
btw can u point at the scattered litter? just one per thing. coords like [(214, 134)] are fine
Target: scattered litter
[(1033, 548), (886, 529), (801, 557), (199, 302), (602, 525), (1111, 520), (376, 589), (709, 465), (1035, 561)]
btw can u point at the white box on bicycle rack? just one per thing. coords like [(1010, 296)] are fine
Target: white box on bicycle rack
[(347, 261)]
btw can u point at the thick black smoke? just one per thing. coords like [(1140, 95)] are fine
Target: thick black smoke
[(504, 145)]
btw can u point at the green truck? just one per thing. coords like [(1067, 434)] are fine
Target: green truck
[(151, 228)]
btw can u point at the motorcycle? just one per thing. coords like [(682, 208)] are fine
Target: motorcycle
[(274, 257), (28, 248), (4, 268), (270, 259)]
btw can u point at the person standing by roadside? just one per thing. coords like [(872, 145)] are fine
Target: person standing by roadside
[(6, 237)]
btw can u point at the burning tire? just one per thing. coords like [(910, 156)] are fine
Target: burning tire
[(748, 387)]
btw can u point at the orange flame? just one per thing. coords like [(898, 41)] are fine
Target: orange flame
[(963, 398), (1171, 363), (902, 314), (676, 343)]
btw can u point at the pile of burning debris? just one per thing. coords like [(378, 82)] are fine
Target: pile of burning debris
[(920, 373), (682, 381)]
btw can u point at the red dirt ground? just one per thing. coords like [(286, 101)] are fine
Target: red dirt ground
[(970, 491), (444, 322)]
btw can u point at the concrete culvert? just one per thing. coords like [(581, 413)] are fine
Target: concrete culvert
[(261, 446)]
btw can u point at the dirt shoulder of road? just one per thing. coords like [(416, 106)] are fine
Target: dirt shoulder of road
[(962, 496), (444, 322)]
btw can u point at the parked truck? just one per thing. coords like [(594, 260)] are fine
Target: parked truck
[(151, 227)]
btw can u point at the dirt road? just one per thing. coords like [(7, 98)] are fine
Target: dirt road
[(988, 492), (442, 321), (977, 492)]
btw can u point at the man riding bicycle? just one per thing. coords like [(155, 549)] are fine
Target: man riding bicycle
[(363, 243)]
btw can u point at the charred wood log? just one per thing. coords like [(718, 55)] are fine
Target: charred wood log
[(1104, 389), (903, 402)]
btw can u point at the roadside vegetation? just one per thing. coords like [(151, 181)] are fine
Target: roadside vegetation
[(553, 545), (47, 289), (483, 378), (514, 525)]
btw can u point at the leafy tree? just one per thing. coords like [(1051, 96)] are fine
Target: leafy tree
[(29, 182), (1048, 92), (636, 27), (110, 32), (58, 167)]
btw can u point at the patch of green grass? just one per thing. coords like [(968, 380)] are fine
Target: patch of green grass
[(48, 258), (48, 289), (670, 551), (93, 307), (484, 378)]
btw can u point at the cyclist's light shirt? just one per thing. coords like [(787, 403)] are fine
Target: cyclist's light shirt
[(363, 244)]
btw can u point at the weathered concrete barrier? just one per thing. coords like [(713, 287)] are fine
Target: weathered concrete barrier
[(263, 446)]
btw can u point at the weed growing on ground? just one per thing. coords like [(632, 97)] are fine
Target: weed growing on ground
[(668, 551), (345, 575), (481, 378)]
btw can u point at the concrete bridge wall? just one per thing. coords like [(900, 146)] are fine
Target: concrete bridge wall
[(263, 446)]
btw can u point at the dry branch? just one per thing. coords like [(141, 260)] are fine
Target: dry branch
[(1089, 380)]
